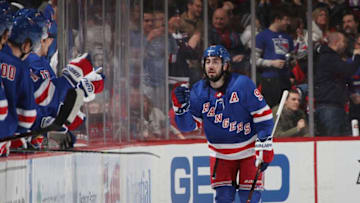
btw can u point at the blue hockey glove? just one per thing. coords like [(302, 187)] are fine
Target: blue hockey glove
[(180, 97), (264, 152)]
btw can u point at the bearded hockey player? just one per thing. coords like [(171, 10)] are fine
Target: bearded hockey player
[(234, 116)]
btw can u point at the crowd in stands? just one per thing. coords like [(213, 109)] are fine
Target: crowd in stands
[(281, 44), (281, 55)]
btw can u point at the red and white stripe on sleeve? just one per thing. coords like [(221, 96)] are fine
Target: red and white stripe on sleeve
[(198, 122), (3, 109), (262, 114), (26, 118), (44, 94)]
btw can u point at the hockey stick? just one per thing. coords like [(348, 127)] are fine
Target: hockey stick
[(84, 151), (278, 113), (258, 171), (67, 113)]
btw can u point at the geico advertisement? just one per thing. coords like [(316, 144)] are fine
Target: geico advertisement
[(182, 174), (293, 163)]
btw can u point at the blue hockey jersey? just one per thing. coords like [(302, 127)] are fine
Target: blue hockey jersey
[(231, 120), (3, 103), (19, 93), (49, 91)]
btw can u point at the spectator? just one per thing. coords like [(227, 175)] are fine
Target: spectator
[(191, 20), (335, 10), (246, 35), (221, 33), (292, 121), (192, 25), (179, 69), (272, 45), (354, 87), (155, 122), (330, 88), (212, 6), (148, 31), (350, 28), (154, 61), (264, 12), (297, 7), (320, 25)]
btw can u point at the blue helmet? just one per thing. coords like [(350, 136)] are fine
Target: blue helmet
[(26, 28), (40, 19), (4, 6), (5, 16), (6, 21), (217, 50)]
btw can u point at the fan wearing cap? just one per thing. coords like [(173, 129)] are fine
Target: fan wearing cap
[(234, 116)]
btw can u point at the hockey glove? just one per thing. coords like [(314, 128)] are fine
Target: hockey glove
[(180, 97), (92, 84), (78, 68), (88, 88), (97, 79), (264, 153)]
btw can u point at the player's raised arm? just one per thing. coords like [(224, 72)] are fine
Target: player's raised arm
[(180, 96)]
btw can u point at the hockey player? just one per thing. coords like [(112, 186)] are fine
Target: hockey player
[(235, 117), (16, 79), (3, 114), (49, 90), (6, 22)]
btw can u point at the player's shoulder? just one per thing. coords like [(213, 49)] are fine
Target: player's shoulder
[(199, 87), (10, 60), (240, 81)]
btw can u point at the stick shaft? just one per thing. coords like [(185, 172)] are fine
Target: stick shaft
[(258, 171), (84, 151), (278, 113)]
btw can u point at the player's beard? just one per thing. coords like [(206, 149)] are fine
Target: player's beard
[(216, 77)]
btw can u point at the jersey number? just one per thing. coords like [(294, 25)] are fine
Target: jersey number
[(8, 71)]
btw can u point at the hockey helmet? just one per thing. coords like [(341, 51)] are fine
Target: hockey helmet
[(39, 17), (6, 21), (217, 50), (29, 26), (4, 6)]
